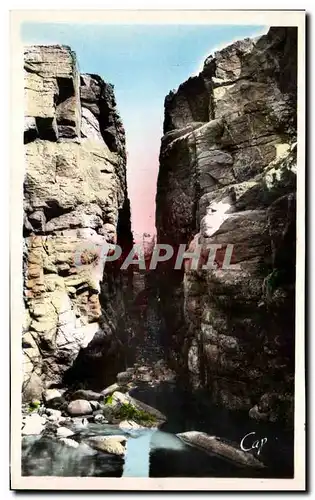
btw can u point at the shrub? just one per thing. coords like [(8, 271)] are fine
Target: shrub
[(108, 400)]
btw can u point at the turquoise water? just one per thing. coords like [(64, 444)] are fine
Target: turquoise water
[(137, 460), (150, 453)]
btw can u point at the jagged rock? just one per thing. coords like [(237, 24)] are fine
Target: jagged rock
[(75, 198), (156, 414), (123, 406), (228, 176), (110, 444), (79, 407), (224, 449)]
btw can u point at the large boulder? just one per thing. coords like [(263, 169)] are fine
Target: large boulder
[(79, 407), (88, 395), (64, 432), (33, 424), (221, 448), (115, 445)]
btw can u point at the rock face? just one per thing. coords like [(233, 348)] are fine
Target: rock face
[(228, 176), (216, 446), (75, 200)]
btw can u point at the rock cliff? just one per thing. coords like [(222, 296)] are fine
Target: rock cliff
[(75, 199), (227, 176)]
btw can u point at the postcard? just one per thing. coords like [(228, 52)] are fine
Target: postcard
[(157, 250)]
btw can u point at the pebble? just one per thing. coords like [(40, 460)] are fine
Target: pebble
[(95, 405), (99, 419), (110, 444)]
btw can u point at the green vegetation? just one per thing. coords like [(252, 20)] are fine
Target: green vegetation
[(34, 405), (128, 412), (108, 400)]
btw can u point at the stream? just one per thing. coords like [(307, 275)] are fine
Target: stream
[(159, 452)]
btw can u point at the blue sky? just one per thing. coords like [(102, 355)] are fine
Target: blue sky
[(144, 62)]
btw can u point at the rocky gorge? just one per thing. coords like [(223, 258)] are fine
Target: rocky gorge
[(161, 372)]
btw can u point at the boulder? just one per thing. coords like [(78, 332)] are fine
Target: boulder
[(63, 432), (79, 423), (57, 403), (118, 398), (69, 442), (122, 407), (124, 377), (73, 138), (53, 415), (110, 389), (129, 425), (33, 424), (116, 445), (95, 405), (79, 407), (88, 395), (51, 394), (216, 446)]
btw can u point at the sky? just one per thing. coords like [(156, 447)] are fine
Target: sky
[(143, 62)]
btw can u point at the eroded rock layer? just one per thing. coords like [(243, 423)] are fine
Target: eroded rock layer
[(228, 176), (75, 199)]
